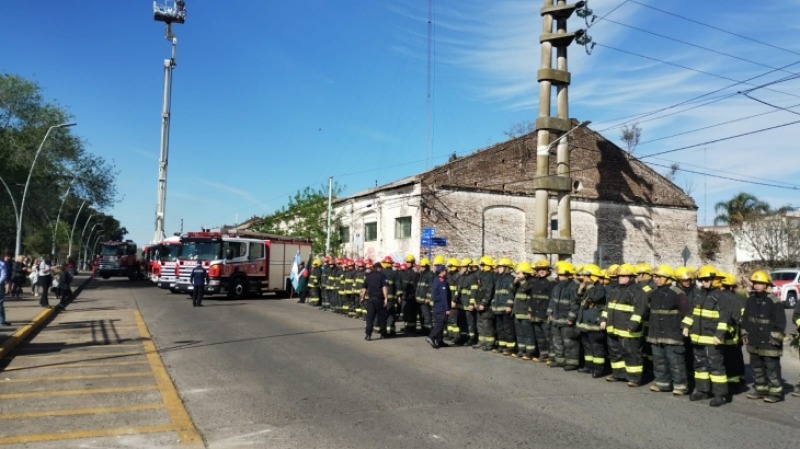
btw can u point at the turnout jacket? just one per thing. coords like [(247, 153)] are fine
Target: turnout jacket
[(592, 307), (467, 286), (503, 293), (393, 282), (541, 289), (763, 323), (314, 277), (668, 307), (708, 318), (522, 298), (485, 293), (423, 290), (564, 303), (626, 308)]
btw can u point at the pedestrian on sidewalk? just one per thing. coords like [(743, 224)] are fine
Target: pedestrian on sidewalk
[(3, 279), (34, 277), (17, 276), (45, 279), (199, 280), (64, 286)]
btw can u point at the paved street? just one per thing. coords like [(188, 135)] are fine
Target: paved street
[(268, 373)]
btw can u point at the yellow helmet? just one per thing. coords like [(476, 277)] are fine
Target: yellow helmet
[(578, 269), (316, 263), (410, 258), (684, 273), (438, 260), (729, 279), (452, 262), (465, 262), (541, 264), (604, 275), (611, 271), (564, 268), (643, 268), (505, 262), (665, 271), (708, 272), (487, 260), (626, 270), (591, 270), (474, 262), (761, 277), (424, 262), (524, 267)]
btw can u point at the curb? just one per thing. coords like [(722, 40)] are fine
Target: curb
[(34, 325)]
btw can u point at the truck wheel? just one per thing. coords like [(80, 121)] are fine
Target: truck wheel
[(105, 276), (237, 289), (791, 300)]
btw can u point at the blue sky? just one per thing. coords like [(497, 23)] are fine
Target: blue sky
[(272, 96)]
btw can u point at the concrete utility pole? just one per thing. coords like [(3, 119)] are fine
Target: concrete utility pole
[(554, 13)]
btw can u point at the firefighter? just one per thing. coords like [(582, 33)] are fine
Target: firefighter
[(685, 276), (451, 331), (593, 300), (796, 321), (502, 305), (526, 345), (541, 289), (314, 283), (467, 284), (393, 282), (562, 312), (358, 279), (622, 321), (334, 281), (763, 325), (732, 354), (644, 277), (707, 327), (199, 280), (472, 307), (668, 306), (410, 278), (611, 272), (324, 283), (348, 288), (422, 294), (483, 301)]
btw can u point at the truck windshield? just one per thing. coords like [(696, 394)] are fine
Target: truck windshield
[(200, 249), (170, 252), (113, 250)]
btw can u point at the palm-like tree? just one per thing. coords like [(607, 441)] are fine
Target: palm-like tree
[(739, 209)]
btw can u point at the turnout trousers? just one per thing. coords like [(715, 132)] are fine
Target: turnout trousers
[(425, 317), (626, 358), (669, 366), (486, 329), (766, 375), (594, 351), (566, 346), (709, 371), (410, 312), (505, 332), (542, 336), (526, 344), (733, 358)]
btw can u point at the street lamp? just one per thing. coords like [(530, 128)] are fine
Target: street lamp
[(72, 232), (545, 150), (58, 217), (18, 246), (88, 241)]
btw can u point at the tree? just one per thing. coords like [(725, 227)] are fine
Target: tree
[(773, 238), (709, 244), (739, 209), (305, 216), (520, 129), (631, 135), (25, 117)]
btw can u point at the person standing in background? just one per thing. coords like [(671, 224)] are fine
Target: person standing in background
[(45, 279)]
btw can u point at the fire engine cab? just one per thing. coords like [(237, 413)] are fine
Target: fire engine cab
[(118, 258), (166, 259), (240, 264)]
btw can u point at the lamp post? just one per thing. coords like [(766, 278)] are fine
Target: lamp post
[(75, 222), (88, 240), (18, 246), (58, 217)]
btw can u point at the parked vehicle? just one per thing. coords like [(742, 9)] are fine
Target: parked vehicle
[(119, 258), (786, 285), (240, 264)]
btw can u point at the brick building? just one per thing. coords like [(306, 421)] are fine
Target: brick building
[(622, 210)]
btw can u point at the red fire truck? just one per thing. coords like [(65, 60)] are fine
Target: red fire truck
[(118, 258), (165, 260), (240, 264)]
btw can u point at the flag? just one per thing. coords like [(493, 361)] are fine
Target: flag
[(295, 274)]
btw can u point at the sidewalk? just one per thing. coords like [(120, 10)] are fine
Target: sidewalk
[(27, 316)]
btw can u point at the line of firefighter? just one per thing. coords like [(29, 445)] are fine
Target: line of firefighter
[(622, 317)]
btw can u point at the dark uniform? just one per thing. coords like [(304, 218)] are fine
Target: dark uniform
[(451, 331), (593, 339), (423, 298), (358, 280), (483, 300), (314, 278), (409, 279), (441, 296), (623, 317), (668, 307), (732, 355), (563, 313), (540, 289), (374, 293), (324, 284), (199, 280), (763, 325), (466, 287), (502, 304), (523, 327), (394, 282)]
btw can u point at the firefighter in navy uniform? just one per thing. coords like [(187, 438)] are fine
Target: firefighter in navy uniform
[(393, 282), (707, 327), (467, 285), (472, 307), (451, 331), (732, 355), (593, 300), (763, 325), (375, 297), (358, 279), (668, 307), (541, 288), (314, 277), (502, 306), (422, 294), (410, 277), (324, 283), (483, 304), (349, 290), (622, 321), (526, 344), (199, 280), (563, 314)]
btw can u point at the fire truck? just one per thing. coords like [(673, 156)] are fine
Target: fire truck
[(167, 259), (118, 258), (241, 263)]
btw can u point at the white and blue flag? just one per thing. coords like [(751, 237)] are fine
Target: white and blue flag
[(295, 274)]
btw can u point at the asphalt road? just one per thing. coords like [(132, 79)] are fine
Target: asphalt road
[(276, 374)]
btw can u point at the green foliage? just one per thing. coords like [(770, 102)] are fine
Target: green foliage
[(709, 244), (739, 209), (63, 163), (306, 215)]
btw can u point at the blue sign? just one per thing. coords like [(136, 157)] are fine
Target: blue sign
[(428, 232), (425, 241), (439, 241)]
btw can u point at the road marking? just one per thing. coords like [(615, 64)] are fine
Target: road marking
[(76, 365), (177, 412), (84, 377), (42, 349), (36, 394), (16, 337), (82, 411), (79, 354), (32, 438)]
